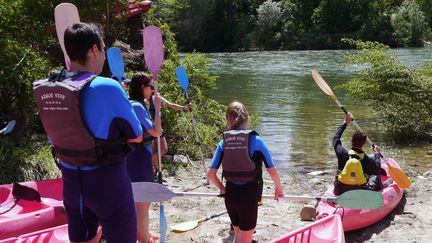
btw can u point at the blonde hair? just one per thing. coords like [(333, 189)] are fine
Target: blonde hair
[(237, 115)]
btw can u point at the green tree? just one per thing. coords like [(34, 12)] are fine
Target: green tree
[(409, 24), (426, 7), (269, 16), (402, 96)]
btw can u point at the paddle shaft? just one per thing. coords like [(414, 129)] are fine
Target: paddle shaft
[(286, 197), (353, 121), (197, 138), (211, 216)]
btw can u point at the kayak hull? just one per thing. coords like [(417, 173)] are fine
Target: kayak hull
[(58, 234), (328, 229), (353, 219), (22, 216)]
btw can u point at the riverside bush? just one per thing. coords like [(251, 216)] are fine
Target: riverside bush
[(401, 95)]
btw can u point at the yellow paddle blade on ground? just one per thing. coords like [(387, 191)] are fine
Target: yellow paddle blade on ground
[(190, 225), (399, 177), (185, 226)]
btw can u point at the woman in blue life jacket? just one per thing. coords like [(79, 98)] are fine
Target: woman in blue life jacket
[(139, 162), (241, 154)]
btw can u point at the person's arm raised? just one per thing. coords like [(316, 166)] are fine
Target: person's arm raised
[(175, 106)]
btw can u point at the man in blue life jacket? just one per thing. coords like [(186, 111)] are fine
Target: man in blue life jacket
[(89, 121), (358, 170)]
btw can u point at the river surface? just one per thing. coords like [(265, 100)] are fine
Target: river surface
[(297, 120)]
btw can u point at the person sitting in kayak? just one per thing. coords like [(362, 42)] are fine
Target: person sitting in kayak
[(357, 169), (241, 153)]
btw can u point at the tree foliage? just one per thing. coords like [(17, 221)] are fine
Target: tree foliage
[(409, 24), (401, 95), (231, 25), (33, 51)]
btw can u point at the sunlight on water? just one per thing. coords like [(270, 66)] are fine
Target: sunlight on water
[(297, 120)]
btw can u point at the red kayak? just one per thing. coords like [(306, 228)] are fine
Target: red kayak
[(21, 216), (328, 229), (353, 219)]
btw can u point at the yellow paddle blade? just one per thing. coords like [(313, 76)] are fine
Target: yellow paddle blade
[(186, 226), (322, 84), (399, 177)]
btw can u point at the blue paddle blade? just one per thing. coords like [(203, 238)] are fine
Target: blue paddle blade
[(182, 78), (162, 223), (9, 127), (115, 62)]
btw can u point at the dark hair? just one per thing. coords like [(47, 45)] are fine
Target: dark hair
[(135, 89), (79, 38), (358, 139)]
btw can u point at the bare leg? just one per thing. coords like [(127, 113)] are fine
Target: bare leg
[(154, 156), (163, 148), (144, 233), (236, 234), (243, 236)]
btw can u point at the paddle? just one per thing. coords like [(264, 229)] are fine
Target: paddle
[(190, 225), (358, 199), (115, 63), (8, 128), (65, 14), (183, 81), (154, 57), (397, 174)]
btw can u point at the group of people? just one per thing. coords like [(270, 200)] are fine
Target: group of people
[(104, 139)]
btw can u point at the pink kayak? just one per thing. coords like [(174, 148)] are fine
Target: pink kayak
[(21, 216), (353, 219), (58, 234), (328, 229)]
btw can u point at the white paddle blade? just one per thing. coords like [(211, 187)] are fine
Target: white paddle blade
[(65, 14), (151, 192), (322, 83)]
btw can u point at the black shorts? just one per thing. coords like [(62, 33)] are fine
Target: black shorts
[(241, 202)]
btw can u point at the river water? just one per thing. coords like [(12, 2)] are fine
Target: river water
[(297, 120)]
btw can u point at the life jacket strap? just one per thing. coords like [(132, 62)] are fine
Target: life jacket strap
[(96, 152), (254, 173)]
